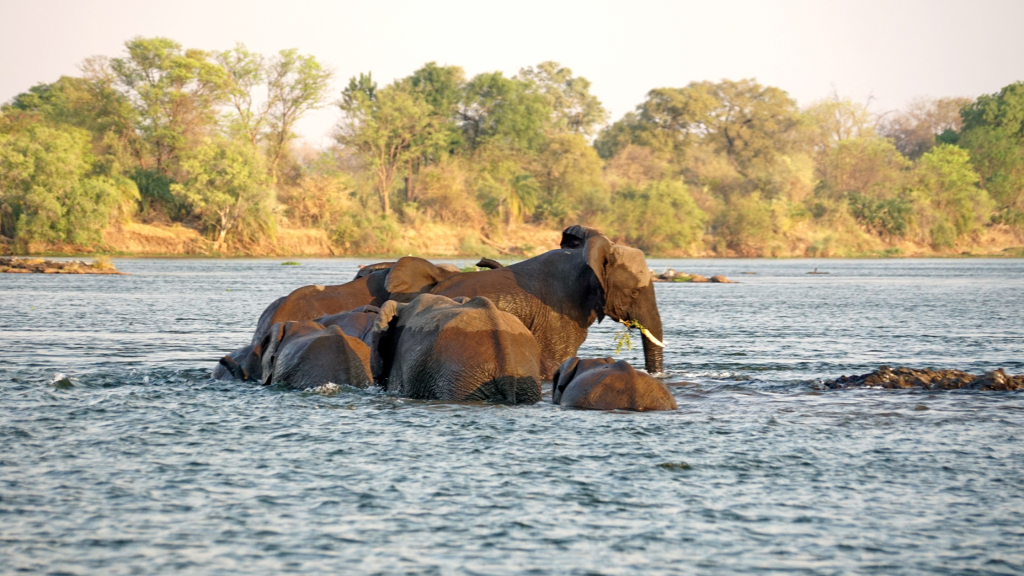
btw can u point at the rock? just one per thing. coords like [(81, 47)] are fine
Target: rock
[(893, 378), (721, 280), (698, 278), (13, 265)]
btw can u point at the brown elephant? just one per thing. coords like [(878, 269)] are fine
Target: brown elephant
[(372, 286), (604, 384), (455, 349), (306, 354), (559, 294)]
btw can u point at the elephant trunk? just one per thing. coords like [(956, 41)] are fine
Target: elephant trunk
[(646, 313)]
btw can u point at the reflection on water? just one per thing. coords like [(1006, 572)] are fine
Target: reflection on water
[(119, 455)]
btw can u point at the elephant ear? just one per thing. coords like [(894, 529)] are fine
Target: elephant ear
[(380, 340), (576, 236), (411, 276), (268, 346), (563, 375), (633, 260), (598, 248)]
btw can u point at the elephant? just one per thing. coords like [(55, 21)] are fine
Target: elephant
[(401, 280), (305, 354), (559, 294), (461, 349), (604, 384)]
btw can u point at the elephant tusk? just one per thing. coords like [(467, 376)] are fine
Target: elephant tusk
[(651, 337), (644, 331)]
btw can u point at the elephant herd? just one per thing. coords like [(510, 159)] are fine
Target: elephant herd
[(429, 331)]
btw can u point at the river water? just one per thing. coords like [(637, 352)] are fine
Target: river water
[(119, 455)]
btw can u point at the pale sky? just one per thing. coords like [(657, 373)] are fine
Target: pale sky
[(890, 51)]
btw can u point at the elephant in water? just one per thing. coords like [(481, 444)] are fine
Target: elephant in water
[(373, 285), (455, 349), (559, 294), (604, 384), (305, 354)]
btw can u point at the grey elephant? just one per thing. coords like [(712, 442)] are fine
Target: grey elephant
[(455, 349), (334, 349), (559, 294), (604, 384)]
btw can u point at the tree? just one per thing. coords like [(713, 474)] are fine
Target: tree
[(386, 127), (508, 189), (245, 71), (296, 84), (750, 124), (571, 183), (50, 190), (175, 95), (658, 217), (946, 181), (993, 132), (506, 112), (868, 165), (914, 129), (573, 108), (226, 184)]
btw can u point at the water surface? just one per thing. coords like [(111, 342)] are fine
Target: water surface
[(145, 465)]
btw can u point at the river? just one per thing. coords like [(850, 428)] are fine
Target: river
[(119, 455)]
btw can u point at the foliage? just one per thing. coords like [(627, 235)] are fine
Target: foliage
[(573, 108), (226, 185), (49, 190), (657, 218), (734, 167)]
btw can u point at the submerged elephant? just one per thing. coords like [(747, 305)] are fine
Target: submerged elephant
[(373, 285), (305, 354), (604, 384), (559, 294), (455, 349)]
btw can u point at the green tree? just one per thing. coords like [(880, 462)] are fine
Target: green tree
[(947, 183), (296, 84), (175, 95), (386, 127), (659, 217), (227, 186), (505, 112), (49, 188), (245, 72), (573, 108), (571, 182), (993, 132)]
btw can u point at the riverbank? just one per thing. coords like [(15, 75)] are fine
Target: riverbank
[(429, 239)]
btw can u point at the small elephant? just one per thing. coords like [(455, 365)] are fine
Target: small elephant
[(604, 384), (455, 349), (305, 354)]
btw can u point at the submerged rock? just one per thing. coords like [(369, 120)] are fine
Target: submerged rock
[(925, 378)]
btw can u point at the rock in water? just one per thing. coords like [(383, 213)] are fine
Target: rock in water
[(928, 379)]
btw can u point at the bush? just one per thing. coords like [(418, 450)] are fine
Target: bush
[(888, 217), (362, 234), (48, 188), (746, 224), (659, 217)]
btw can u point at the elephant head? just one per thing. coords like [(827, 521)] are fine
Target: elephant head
[(604, 384), (628, 292), (306, 354), (455, 349)]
